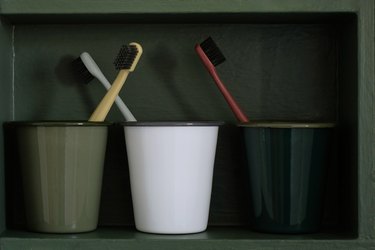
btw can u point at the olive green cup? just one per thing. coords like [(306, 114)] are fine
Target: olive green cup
[(62, 167), (286, 167)]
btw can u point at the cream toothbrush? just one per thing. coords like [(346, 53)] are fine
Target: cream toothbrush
[(87, 69), (126, 62)]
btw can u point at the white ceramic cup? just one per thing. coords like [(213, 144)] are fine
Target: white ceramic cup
[(171, 167)]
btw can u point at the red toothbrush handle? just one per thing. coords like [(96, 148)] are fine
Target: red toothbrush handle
[(228, 97)]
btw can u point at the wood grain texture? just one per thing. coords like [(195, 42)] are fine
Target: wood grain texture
[(213, 238), (172, 6), (119, 11), (366, 133)]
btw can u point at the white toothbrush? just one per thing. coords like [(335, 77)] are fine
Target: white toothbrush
[(95, 71)]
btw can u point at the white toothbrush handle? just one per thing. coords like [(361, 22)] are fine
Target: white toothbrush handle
[(120, 104)]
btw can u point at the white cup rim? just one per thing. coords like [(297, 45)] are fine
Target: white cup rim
[(171, 123)]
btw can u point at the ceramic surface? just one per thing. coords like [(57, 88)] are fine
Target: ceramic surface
[(62, 167), (171, 169), (285, 173)]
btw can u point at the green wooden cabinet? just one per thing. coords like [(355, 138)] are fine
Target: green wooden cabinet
[(286, 59)]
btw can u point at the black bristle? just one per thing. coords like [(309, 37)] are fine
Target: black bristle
[(125, 57), (212, 51), (81, 71)]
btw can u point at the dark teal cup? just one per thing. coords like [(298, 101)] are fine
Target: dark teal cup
[(286, 164)]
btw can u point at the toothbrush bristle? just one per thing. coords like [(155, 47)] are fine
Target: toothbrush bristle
[(212, 51), (81, 71), (126, 57)]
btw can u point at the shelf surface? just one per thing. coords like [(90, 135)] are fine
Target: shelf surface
[(173, 6), (114, 11), (214, 238)]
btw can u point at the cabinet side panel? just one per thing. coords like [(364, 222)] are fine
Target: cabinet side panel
[(5, 102), (366, 177)]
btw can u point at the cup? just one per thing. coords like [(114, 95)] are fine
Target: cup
[(62, 166), (171, 167), (286, 164)]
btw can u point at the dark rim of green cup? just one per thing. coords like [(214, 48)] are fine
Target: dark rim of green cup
[(171, 123), (287, 124), (57, 123)]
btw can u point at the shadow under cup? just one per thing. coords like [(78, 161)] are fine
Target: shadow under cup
[(286, 164), (62, 167)]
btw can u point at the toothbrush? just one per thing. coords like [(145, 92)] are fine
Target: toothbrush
[(87, 69), (211, 56), (125, 62)]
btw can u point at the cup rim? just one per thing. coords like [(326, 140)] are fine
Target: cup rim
[(287, 124), (171, 123), (60, 123)]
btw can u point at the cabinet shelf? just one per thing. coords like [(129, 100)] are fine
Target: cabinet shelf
[(213, 238), (99, 11), (294, 60)]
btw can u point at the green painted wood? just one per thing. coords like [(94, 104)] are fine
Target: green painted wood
[(355, 100), (170, 82), (366, 113), (6, 101), (212, 233), (213, 238), (10, 7), (118, 11)]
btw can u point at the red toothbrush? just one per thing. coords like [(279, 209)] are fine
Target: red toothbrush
[(211, 56)]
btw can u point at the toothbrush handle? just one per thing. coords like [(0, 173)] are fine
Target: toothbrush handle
[(124, 110), (120, 104), (227, 95), (106, 103)]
